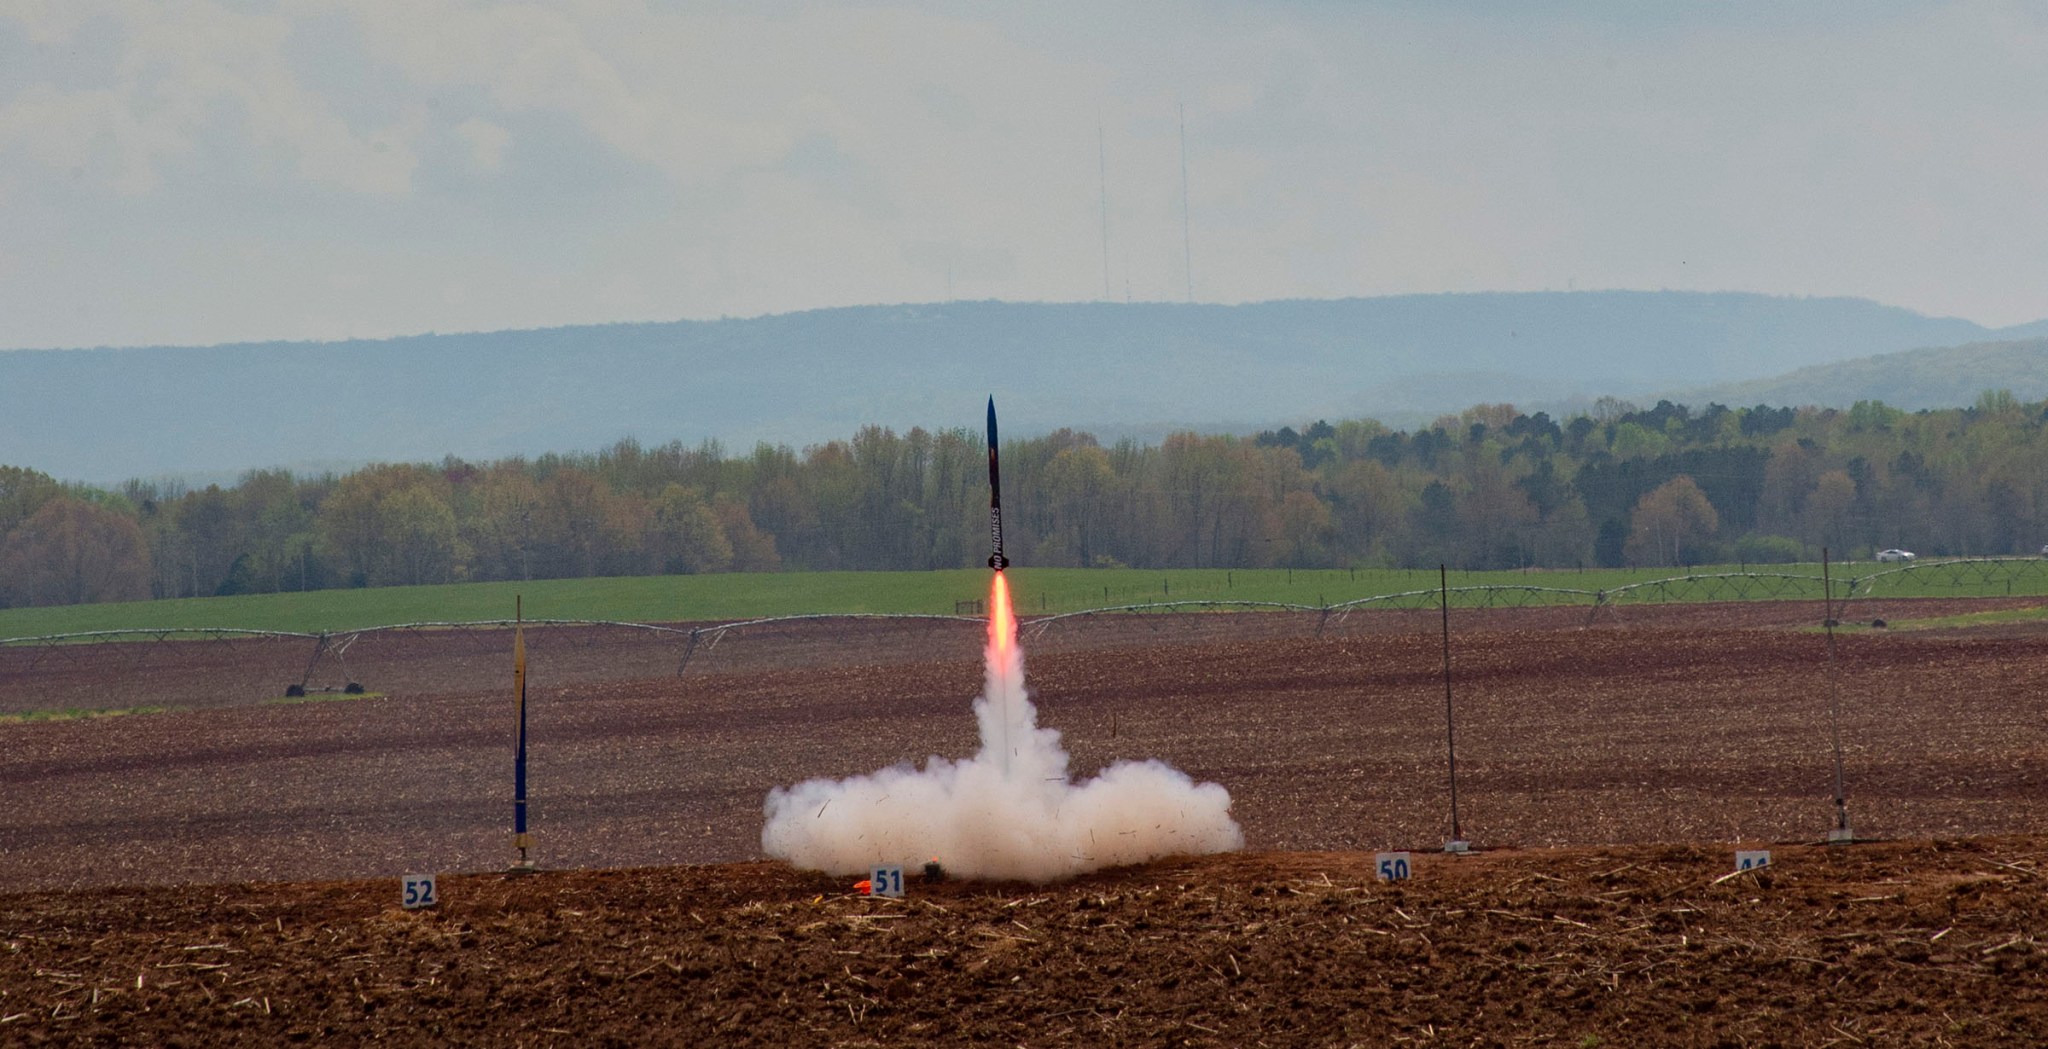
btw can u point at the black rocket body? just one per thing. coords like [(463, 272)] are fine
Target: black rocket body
[(996, 560)]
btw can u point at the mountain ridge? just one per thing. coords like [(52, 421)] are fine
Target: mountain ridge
[(1119, 369), (1929, 377)]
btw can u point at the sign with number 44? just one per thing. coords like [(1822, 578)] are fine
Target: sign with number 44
[(1746, 860), (418, 891)]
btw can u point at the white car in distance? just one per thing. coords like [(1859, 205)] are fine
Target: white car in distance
[(1895, 555)]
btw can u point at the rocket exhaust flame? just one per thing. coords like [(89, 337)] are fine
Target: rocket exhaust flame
[(1010, 811), (1003, 658)]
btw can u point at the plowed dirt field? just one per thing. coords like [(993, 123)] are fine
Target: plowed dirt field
[(1876, 944), (227, 871)]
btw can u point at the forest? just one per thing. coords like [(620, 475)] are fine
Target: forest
[(1491, 487)]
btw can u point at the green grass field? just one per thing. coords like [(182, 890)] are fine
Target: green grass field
[(1967, 619), (30, 717), (1038, 591)]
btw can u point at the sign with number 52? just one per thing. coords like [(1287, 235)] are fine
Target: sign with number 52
[(418, 891)]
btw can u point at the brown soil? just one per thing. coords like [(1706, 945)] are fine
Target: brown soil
[(1650, 742), (1929, 944)]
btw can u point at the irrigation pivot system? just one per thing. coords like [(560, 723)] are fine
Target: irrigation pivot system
[(1976, 576)]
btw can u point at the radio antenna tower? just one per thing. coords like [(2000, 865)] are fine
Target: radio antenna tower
[(1186, 245), (1102, 172)]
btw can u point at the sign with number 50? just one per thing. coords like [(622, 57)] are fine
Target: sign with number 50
[(1392, 866)]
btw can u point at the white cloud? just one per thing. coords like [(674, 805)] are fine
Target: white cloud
[(48, 21), (76, 133), (588, 160), (183, 69), (487, 142)]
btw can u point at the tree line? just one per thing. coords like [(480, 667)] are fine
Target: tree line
[(1489, 488)]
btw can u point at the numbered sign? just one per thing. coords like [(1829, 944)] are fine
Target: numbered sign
[(885, 881), (1393, 866), (418, 891), (1748, 861)]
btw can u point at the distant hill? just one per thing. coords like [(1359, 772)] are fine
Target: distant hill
[(1116, 369), (1943, 377)]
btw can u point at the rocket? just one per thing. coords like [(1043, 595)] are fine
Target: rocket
[(996, 560)]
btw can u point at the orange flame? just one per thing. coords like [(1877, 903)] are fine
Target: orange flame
[(1002, 622)]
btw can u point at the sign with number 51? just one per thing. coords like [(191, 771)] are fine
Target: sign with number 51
[(885, 881)]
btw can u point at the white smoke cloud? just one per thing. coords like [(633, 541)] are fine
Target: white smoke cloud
[(1010, 811)]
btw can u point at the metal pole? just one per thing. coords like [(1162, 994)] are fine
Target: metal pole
[(1450, 725), (1841, 830), (1102, 170), (684, 663), (1186, 243), (520, 839), (319, 649)]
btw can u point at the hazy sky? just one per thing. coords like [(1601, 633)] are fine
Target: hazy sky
[(192, 171)]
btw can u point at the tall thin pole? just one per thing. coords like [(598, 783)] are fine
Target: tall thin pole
[(1102, 172), (1834, 699), (1187, 249), (520, 838), (1450, 725)]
